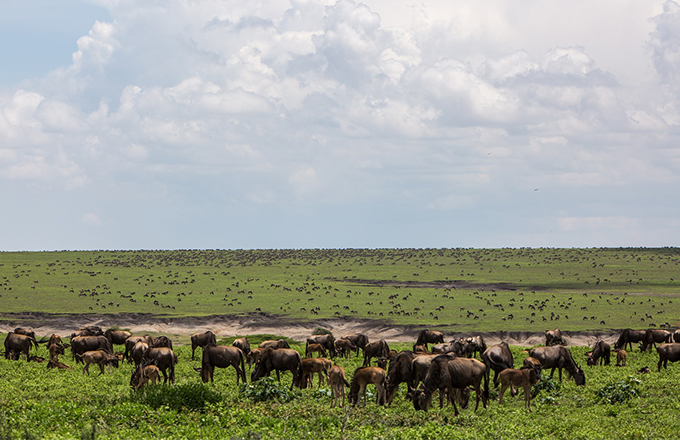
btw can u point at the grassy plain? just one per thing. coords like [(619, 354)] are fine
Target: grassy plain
[(452, 289)]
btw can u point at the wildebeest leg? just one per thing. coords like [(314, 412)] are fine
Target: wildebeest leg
[(502, 392), (86, 369), (278, 376), (101, 368), (527, 397), (553, 372)]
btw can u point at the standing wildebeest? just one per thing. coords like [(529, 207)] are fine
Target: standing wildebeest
[(525, 378), (243, 344), (676, 336), (280, 343), (16, 344), (399, 372), (328, 342), (143, 374), (358, 339), (653, 337), (378, 349), (310, 366), (280, 359), (338, 382), (201, 340), (138, 352), (558, 357), (628, 336), (344, 347), (429, 337), (601, 353), (454, 346), (99, 357), (419, 368), (24, 331), (364, 376), (253, 357), (164, 358), (222, 356), (161, 341), (117, 337), (554, 337), (81, 344), (452, 373), (476, 344), (497, 358), (132, 340), (621, 357), (90, 330), (315, 348), (668, 352)]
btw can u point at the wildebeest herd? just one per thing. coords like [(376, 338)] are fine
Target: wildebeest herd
[(452, 368)]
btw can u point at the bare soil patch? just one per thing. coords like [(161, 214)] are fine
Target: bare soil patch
[(261, 323)]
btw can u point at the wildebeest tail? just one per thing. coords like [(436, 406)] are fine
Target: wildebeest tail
[(486, 386)]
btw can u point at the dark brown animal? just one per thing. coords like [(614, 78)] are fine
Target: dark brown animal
[(327, 341), (132, 340), (338, 382), (601, 353), (344, 347), (222, 356), (280, 359), (82, 344), (525, 378), (280, 343), (138, 352), (311, 366), (419, 368), (161, 341), (554, 337), (55, 350), (558, 357), (378, 349), (55, 340), (90, 330), (363, 377), (203, 339), (24, 331), (16, 344), (99, 357), (628, 336), (448, 373), (315, 348), (668, 352), (117, 337), (57, 364), (653, 337), (497, 358), (475, 344), (254, 356), (242, 344), (621, 357), (399, 372), (358, 339), (676, 336), (455, 347), (164, 358), (429, 337)]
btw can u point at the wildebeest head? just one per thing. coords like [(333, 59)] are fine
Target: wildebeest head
[(421, 402), (579, 376)]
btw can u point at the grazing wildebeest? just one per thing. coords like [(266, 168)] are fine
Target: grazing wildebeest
[(243, 344), (327, 341), (378, 349), (601, 353), (668, 352), (132, 340), (99, 357), (55, 350), (143, 374), (628, 336), (337, 381), (81, 344), (344, 347), (310, 366), (315, 348), (16, 344), (364, 376), (280, 343), (525, 378), (164, 358), (222, 356), (358, 339), (161, 341), (497, 358), (399, 372), (475, 344), (653, 337), (254, 356), (280, 359), (201, 340), (451, 373), (117, 337), (554, 337), (429, 337), (558, 357), (621, 357)]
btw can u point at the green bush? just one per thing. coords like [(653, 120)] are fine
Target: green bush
[(266, 389), (192, 396), (619, 392), (548, 386)]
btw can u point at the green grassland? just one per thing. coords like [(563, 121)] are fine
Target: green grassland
[(40, 403), (451, 289)]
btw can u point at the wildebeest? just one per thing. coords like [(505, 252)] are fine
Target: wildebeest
[(601, 353), (358, 339), (138, 352), (558, 357), (554, 337), (57, 364), (117, 337), (243, 344), (676, 336), (164, 358), (16, 344), (364, 376), (55, 350), (161, 341), (475, 344), (429, 337), (222, 356), (132, 340), (451, 373), (378, 349), (327, 341), (203, 339), (24, 331), (311, 366), (454, 346), (344, 347), (280, 359), (338, 382), (653, 337), (81, 344), (525, 378), (315, 348), (621, 357), (419, 368), (628, 336), (280, 343), (99, 357), (254, 356), (530, 362), (668, 352), (144, 374), (90, 330), (497, 358), (399, 372)]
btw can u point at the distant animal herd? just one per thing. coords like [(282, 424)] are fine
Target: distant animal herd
[(452, 368)]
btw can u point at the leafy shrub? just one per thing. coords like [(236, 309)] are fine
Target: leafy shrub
[(266, 389), (193, 396), (619, 392), (549, 386)]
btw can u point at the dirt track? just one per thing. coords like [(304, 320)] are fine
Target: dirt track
[(224, 326)]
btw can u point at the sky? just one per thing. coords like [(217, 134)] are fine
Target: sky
[(221, 124)]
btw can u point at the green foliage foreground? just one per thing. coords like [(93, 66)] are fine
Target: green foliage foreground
[(40, 403)]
